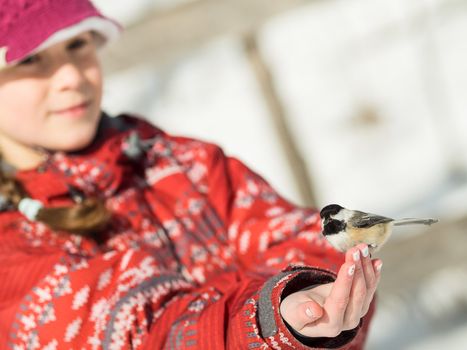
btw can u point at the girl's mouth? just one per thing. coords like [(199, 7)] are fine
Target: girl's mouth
[(73, 112)]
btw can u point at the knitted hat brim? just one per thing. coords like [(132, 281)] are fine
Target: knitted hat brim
[(108, 30), (43, 26)]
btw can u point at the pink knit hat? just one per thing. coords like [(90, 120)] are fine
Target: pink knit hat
[(29, 26)]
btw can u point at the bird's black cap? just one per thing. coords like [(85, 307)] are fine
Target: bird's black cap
[(328, 210)]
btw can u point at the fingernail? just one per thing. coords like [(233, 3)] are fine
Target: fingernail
[(351, 270), (356, 256), (379, 267), (308, 312), (365, 251)]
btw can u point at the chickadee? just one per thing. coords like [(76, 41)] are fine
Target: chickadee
[(345, 228)]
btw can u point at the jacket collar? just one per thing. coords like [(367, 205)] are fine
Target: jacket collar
[(97, 170)]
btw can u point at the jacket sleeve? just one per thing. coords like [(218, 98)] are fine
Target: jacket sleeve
[(238, 310), (269, 234), (266, 231)]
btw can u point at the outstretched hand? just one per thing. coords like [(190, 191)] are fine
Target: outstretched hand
[(328, 309)]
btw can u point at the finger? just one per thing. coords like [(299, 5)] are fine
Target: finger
[(358, 293), (338, 299), (377, 264), (367, 266), (369, 275)]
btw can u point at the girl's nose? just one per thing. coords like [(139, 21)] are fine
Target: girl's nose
[(68, 76)]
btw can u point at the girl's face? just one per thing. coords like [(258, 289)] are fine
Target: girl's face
[(50, 100)]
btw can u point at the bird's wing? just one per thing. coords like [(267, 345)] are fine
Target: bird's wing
[(362, 220)]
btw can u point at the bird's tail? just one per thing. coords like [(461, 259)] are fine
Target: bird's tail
[(414, 222)]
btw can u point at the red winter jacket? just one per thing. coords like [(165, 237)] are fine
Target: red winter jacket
[(197, 255)]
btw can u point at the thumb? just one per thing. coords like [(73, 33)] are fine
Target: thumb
[(310, 311), (302, 314)]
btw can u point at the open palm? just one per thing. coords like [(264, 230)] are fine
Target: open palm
[(328, 309)]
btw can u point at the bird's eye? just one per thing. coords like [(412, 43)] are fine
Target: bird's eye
[(333, 226)]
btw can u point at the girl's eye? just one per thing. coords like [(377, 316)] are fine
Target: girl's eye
[(29, 60), (77, 44)]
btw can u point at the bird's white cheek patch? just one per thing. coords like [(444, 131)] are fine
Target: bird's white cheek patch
[(343, 215), (339, 241)]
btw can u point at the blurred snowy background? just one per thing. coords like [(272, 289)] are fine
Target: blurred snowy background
[(358, 102)]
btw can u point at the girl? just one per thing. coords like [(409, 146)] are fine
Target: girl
[(116, 235)]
